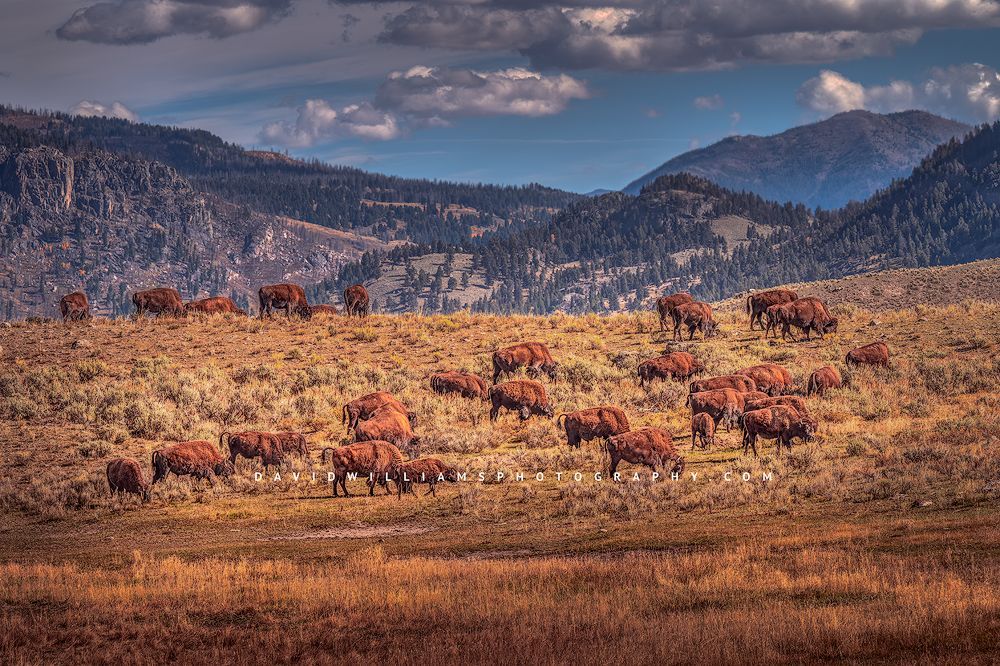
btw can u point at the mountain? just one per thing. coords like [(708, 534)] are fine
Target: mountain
[(847, 157)]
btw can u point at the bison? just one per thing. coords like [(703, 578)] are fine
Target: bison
[(270, 447), (463, 383), (653, 447), (702, 428), (198, 458), (75, 307), (374, 459), (675, 365), (533, 356), (759, 302), (214, 305), (524, 396), (740, 383), (125, 476), (324, 309), (875, 353), (362, 408), (722, 404), (356, 301), (288, 297), (386, 424), (293, 442), (793, 401), (770, 378), (665, 307), (594, 422), (423, 470), (809, 314), (822, 380), (696, 316), (160, 301), (780, 423)]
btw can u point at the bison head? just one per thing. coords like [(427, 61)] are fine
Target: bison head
[(304, 311), (450, 474), (830, 326), (678, 467), (807, 428), (412, 418), (224, 468), (550, 370)]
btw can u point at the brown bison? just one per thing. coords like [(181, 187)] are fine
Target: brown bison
[(736, 382), (822, 380), (125, 476), (533, 356), (675, 365), (159, 301), (293, 442), (759, 302), (362, 408), (214, 305), (653, 447), (198, 458), (770, 378), (270, 447), (665, 307), (722, 404), (593, 422), (373, 459), (423, 470), (702, 428), (288, 297), (696, 316), (780, 423), (356, 301), (875, 353), (75, 307), (324, 309), (524, 396), (809, 314), (386, 424), (793, 401), (463, 383)]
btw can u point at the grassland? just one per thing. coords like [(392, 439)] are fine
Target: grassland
[(877, 542)]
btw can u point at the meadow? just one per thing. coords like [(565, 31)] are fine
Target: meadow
[(876, 542)]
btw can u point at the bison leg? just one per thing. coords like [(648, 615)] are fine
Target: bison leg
[(614, 464), (431, 492), (494, 412)]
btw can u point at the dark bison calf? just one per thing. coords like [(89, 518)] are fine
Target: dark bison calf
[(533, 356), (356, 301), (822, 380), (160, 301), (524, 396), (125, 476), (198, 458), (652, 447), (675, 365), (594, 422), (780, 423), (361, 409), (423, 470), (374, 459), (288, 297), (876, 353), (74, 307), (214, 305), (665, 306), (702, 428), (463, 383)]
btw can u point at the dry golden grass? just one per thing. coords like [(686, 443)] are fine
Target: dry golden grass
[(877, 542)]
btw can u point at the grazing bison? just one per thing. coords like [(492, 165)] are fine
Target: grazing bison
[(533, 356), (198, 458), (653, 447), (696, 316), (125, 476), (159, 301), (665, 307), (876, 353), (793, 401), (780, 423), (270, 447), (293, 442), (214, 305), (362, 408), (463, 383), (770, 378), (75, 307), (808, 314), (288, 297), (356, 301), (423, 470), (822, 380), (594, 422), (759, 302), (524, 396), (373, 459), (675, 365), (324, 309), (722, 404), (702, 428), (736, 382), (386, 424)]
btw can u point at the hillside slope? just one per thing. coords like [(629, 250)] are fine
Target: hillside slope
[(844, 158)]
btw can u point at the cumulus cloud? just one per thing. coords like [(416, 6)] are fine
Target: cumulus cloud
[(709, 102), (970, 92), (680, 34), (90, 108), (143, 21), (318, 120)]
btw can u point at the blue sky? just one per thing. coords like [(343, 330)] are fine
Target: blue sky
[(580, 96)]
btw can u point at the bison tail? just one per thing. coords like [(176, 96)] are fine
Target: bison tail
[(811, 386), (749, 309), (343, 417), (222, 435), (322, 456), (687, 401), (563, 417)]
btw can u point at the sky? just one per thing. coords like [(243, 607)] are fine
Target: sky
[(580, 95)]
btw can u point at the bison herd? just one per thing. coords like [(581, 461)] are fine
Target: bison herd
[(762, 400)]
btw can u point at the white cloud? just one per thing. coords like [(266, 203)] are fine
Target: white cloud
[(970, 92), (90, 108), (709, 102), (317, 120)]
